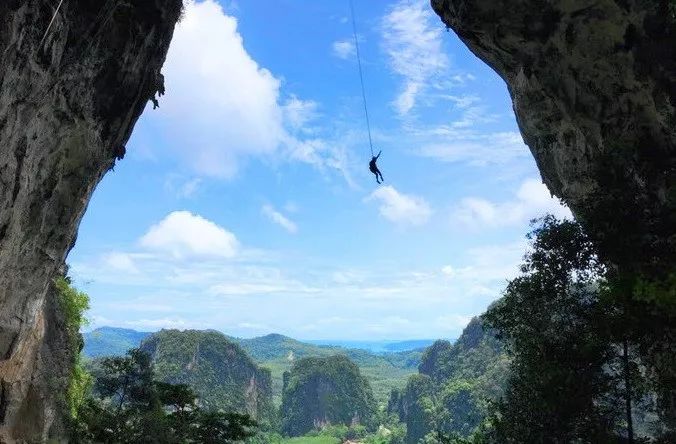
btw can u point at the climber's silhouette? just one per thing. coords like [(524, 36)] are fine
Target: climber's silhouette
[(374, 168)]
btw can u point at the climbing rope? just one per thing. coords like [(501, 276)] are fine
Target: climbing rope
[(56, 11), (361, 76)]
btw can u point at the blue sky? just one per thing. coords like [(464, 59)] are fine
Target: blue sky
[(245, 203)]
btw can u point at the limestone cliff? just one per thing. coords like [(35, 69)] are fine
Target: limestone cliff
[(72, 85), (594, 90), (221, 374), (319, 391), (593, 84)]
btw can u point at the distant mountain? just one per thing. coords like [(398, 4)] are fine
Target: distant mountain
[(385, 370), (109, 341), (216, 368), (275, 346)]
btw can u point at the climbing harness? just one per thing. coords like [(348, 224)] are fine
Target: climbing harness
[(361, 76)]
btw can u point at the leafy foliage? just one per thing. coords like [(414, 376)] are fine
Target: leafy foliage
[(129, 406), (323, 391), (73, 304), (558, 327)]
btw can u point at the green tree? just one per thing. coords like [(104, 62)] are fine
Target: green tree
[(130, 406), (183, 411), (215, 427), (73, 304), (557, 329)]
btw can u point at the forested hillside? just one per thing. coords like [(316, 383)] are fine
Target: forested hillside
[(222, 375), (325, 391), (450, 393), (385, 371)]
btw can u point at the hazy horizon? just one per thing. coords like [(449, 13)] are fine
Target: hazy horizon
[(320, 341)]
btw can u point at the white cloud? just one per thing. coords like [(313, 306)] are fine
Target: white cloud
[(475, 149), (401, 208), (453, 322), (448, 270), (142, 306), (343, 49), (258, 288), (532, 200), (299, 112), (389, 325), (183, 234), (156, 324), (120, 262), (221, 106), (215, 292), (335, 155), (278, 218), (412, 40), (263, 328), (464, 101), (220, 102)]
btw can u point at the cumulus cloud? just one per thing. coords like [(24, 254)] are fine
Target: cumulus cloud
[(412, 40), (532, 199), (227, 104), (403, 209), (278, 218), (183, 234), (221, 106), (343, 49)]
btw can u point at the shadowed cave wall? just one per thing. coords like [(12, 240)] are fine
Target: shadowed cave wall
[(594, 92), (70, 95)]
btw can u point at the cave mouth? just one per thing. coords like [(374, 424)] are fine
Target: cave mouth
[(254, 216), (598, 122)]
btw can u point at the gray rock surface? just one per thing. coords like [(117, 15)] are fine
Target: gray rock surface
[(70, 94), (593, 85)]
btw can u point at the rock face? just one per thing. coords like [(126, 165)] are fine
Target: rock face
[(71, 90), (594, 90), (221, 374), (455, 378), (324, 391)]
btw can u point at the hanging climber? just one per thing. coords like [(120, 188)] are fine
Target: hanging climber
[(372, 164), (374, 168)]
